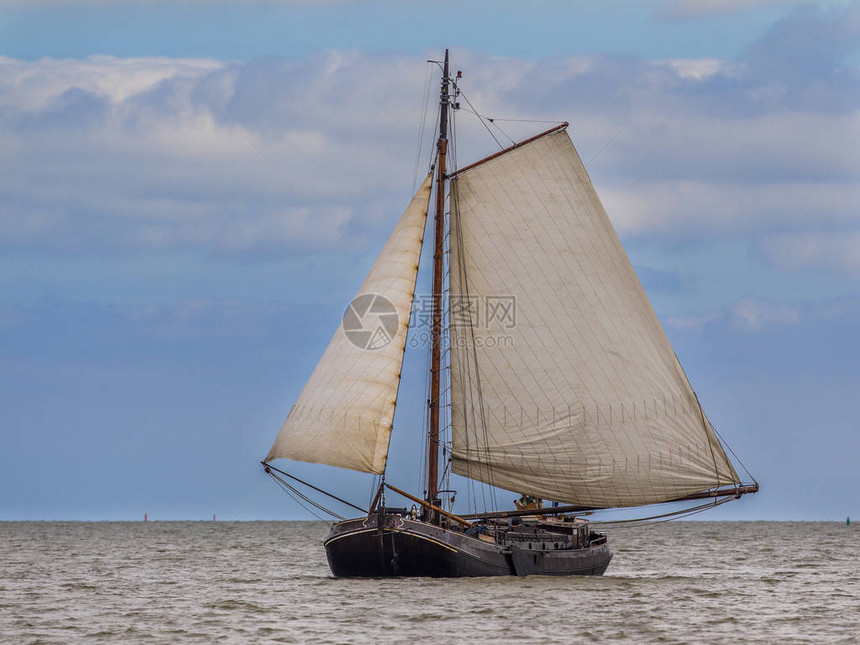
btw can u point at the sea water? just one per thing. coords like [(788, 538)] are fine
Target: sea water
[(254, 582)]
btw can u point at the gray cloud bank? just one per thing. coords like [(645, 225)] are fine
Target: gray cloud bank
[(125, 155)]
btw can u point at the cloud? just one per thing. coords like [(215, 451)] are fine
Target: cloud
[(693, 322), (750, 314), (119, 155), (836, 251), (112, 153), (753, 315), (694, 9), (812, 41), (33, 85), (747, 314), (205, 3), (700, 69), (697, 207)]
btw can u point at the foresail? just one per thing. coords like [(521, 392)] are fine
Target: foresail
[(563, 383), (344, 414)]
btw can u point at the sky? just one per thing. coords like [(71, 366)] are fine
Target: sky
[(190, 193)]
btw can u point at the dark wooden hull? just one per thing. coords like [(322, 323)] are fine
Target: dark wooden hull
[(405, 547)]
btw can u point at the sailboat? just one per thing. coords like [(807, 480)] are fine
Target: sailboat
[(550, 376)]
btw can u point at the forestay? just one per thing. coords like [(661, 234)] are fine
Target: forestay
[(344, 414), (564, 385)]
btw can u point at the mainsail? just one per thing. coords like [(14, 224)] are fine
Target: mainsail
[(563, 383), (344, 414)]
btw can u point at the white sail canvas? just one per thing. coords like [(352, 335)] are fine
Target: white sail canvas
[(344, 414), (586, 403)]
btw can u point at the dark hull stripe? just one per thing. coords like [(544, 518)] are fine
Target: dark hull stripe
[(411, 548), (388, 531)]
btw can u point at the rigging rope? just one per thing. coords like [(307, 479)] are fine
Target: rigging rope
[(494, 119), (268, 481), (269, 467), (665, 517), (608, 143), (295, 494), (422, 123), (734, 454), (481, 118)]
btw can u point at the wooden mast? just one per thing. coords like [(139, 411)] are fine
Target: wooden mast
[(438, 267)]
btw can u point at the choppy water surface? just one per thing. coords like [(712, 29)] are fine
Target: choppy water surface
[(269, 582)]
